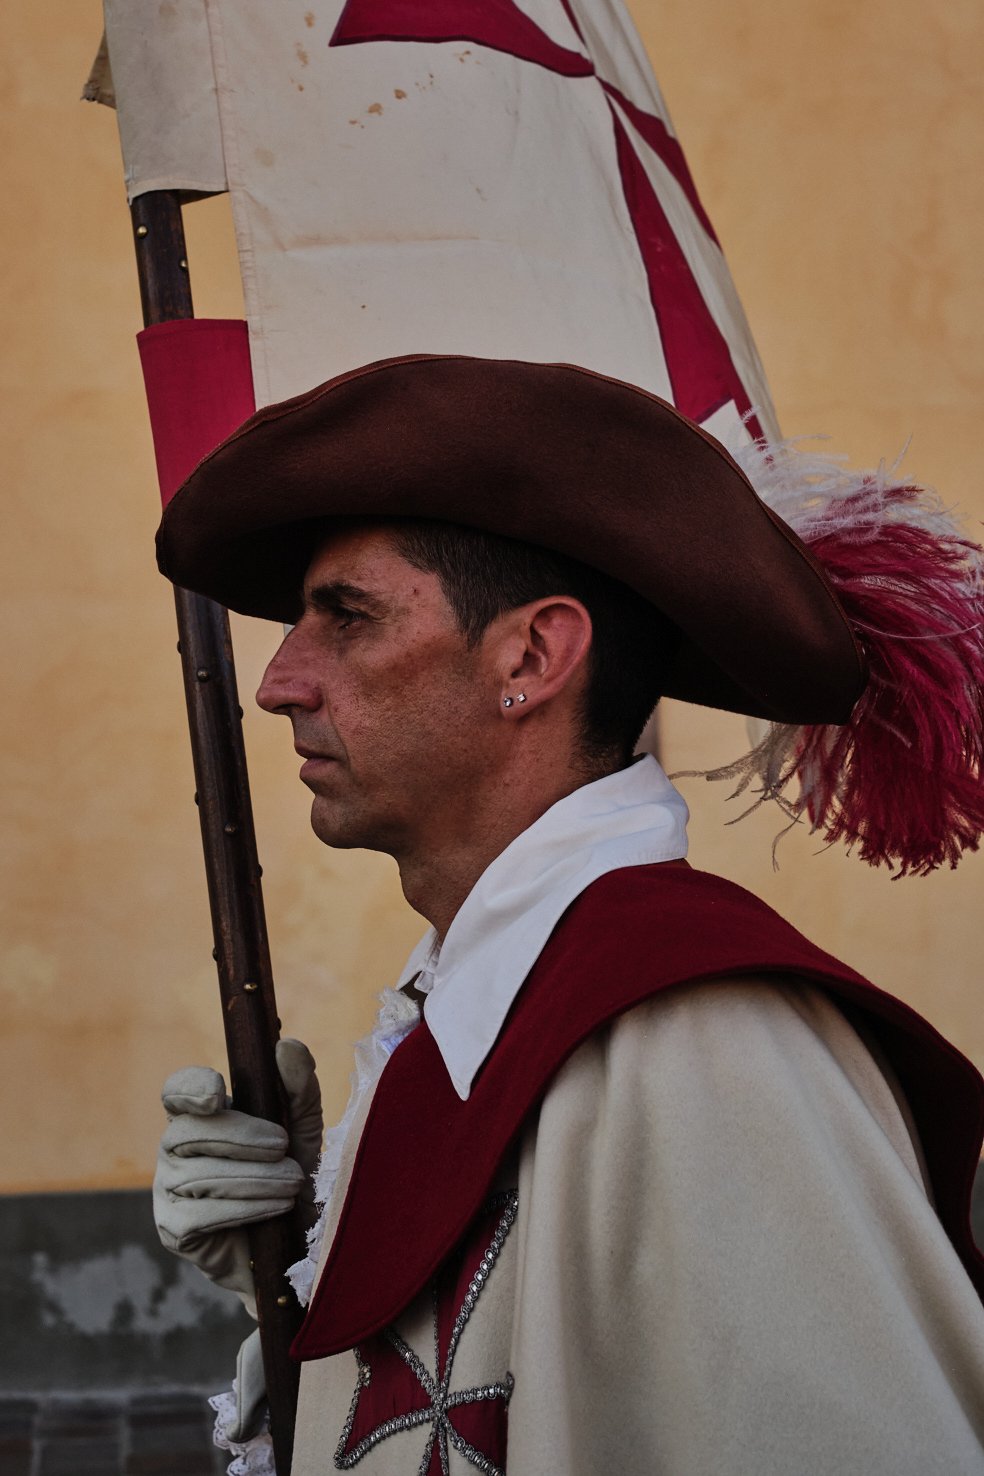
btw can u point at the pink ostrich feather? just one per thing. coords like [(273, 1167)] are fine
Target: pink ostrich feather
[(901, 781)]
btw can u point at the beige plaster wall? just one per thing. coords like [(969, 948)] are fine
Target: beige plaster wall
[(837, 147)]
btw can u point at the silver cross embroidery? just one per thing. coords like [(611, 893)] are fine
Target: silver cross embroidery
[(437, 1388)]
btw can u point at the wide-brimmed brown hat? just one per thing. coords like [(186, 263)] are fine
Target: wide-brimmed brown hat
[(550, 454)]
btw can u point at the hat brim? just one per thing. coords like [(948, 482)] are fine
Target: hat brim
[(549, 454)]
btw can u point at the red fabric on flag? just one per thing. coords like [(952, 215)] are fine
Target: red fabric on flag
[(702, 374), (199, 385), (497, 24), (661, 141)]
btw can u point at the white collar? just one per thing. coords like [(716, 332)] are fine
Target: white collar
[(631, 818)]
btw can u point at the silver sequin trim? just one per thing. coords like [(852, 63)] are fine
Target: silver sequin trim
[(442, 1431)]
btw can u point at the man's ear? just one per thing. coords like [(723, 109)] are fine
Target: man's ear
[(544, 653)]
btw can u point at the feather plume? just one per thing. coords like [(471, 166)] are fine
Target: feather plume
[(901, 781)]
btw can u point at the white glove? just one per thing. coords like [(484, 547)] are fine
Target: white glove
[(250, 1391), (219, 1170)]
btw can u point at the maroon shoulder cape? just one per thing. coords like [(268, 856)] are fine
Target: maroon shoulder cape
[(429, 1160)]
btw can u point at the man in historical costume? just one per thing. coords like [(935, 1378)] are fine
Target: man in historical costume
[(634, 1178)]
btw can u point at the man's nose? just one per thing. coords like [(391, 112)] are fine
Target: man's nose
[(287, 682)]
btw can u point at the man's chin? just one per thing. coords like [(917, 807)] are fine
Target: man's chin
[(332, 833), (343, 832)]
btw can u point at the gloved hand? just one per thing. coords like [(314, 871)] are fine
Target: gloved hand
[(250, 1391), (219, 1170)]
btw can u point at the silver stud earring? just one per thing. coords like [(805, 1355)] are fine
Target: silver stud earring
[(507, 701), (521, 697)]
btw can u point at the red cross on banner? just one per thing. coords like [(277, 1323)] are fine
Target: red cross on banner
[(702, 373)]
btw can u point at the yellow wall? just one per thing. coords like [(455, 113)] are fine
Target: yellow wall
[(837, 148)]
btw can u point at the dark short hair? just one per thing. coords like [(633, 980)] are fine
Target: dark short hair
[(482, 575)]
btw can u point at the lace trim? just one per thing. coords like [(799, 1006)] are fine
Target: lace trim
[(250, 1457), (398, 1014)]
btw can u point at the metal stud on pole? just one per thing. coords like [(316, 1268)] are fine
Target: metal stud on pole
[(241, 952)]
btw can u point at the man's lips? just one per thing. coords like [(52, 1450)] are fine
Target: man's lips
[(314, 762), (309, 753)]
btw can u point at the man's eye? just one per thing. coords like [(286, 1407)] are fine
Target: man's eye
[(345, 617)]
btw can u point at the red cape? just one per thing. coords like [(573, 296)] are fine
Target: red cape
[(633, 933)]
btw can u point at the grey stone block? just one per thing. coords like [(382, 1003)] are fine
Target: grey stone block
[(164, 1434), (17, 1422), (93, 1301)]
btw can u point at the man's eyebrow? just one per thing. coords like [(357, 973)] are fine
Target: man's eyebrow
[(336, 594)]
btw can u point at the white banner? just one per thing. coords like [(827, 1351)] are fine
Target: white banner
[(494, 177), (165, 98)]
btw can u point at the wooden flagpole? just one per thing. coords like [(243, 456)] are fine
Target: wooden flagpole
[(241, 951)]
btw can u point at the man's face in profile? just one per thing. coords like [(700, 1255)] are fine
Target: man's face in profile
[(391, 711)]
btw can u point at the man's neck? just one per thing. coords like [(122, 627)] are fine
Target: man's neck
[(437, 877)]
